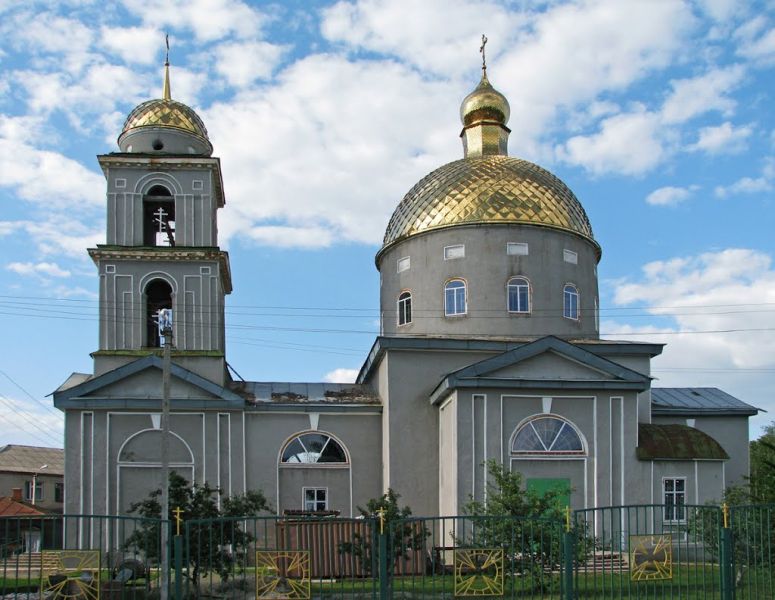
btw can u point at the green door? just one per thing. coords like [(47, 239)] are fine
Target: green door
[(542, 486)]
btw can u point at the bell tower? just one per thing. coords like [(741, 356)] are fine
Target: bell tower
[(164, 190)]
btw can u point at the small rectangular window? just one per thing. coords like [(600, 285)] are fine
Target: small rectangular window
[(315, 499), (569, 256), (120, 183), (59, 492), (196, 184), (452, 252), (674, 489), (516, 249), (404, 264), (38, 491), (110, 268), (204, 270)]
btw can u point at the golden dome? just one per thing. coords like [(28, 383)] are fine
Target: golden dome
[(166, 113), (488, 190), (485, 103)]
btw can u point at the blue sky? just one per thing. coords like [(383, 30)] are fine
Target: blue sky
[(658, 114)]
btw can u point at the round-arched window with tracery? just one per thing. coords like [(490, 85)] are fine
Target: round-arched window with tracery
[(313, 448), (547, 435)]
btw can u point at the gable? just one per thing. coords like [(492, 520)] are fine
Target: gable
[(550, 366), (148, 384)]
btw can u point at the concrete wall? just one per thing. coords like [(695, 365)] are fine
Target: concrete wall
[(486, 268), (10, 480), (704, 479), (449, 493)]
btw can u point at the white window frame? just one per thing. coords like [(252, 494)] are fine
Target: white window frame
[(516, 248), (674, 494), (508, 295), (569, 256), (304, 491), (457, 313), (568, 314), (402, 309), (454, 252), (28, 490), (403, 264)]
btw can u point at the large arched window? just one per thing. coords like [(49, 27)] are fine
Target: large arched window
[(547, 435), (455, 298), (570, 302), (518, 293), (405, 308), (158, 217), (313, 448), (158, 296)]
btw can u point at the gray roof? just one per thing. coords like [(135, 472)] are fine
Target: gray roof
[(30, 459), (278, 392), (697, 401)]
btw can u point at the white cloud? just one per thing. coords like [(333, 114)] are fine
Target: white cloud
[(729, 293), (27, 422), (629, 143), (209, 20), (42, 268), (669, 195), (242, 63), (133, 44), (757, 39), (341, 375), (290, 237), (750, 185), (723, 139), (705, 93), (720, 10), (58, 235)]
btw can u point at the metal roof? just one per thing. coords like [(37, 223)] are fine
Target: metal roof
[(697, 401), (677, 442), (257, 392), (30, 459)]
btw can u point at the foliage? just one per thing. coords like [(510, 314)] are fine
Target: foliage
[(211, 547), (527, 524), (762, 480), (404, 535)]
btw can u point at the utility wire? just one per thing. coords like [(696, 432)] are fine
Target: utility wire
[(34, 423), (51, 409)]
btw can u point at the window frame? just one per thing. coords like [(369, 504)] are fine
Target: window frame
[(451, 247), (515, 246), (680, 513), (59, 492), (28, 490), (404, 308), (508, 295), (464, 288), (304, 491), (567, 311), (547, 452), (570, 256), (403, 264), (314, 465)]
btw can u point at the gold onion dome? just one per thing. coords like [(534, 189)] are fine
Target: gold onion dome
[(166, 113), (487, 186)]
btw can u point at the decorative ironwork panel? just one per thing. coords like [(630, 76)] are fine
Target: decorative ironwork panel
[(651, 557), (283, 574), (70, 574), (478, 571)]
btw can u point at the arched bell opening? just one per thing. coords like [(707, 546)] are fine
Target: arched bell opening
[(158, 217), (158, 297)]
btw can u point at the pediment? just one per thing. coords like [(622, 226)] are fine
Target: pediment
[(148, 384), (550, 365)]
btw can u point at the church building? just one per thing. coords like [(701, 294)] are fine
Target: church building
[(489, 350)]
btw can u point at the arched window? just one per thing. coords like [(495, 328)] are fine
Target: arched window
[(518, 292), (405, 308), (158, 217), (570, 306), (158, 296), (455, 298), (547, 435), (313, 448)]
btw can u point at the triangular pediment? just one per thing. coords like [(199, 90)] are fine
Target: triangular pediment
[(139, 385), (545, 363)]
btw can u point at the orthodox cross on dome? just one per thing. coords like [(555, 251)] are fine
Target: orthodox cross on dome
[(484, 60)]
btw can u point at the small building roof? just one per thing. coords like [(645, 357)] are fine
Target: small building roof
[(29, 459), (17, 508), (279, 392), (697, 401), (676, 442)]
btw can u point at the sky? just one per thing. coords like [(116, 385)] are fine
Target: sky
[(657, 114)]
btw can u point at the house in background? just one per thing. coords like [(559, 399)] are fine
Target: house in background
[(38, 473)]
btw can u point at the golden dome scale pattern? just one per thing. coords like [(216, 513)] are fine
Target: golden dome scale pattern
[(491, 189), (166, 113)]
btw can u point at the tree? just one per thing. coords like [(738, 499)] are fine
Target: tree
[(762, 480), (210, 548), (404, 534)]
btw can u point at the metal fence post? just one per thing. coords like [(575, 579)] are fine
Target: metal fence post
[(384, 581), (726, 557), (178, 549), (568, 543)]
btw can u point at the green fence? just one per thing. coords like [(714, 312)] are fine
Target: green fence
[(78, 557), (645, 551)]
